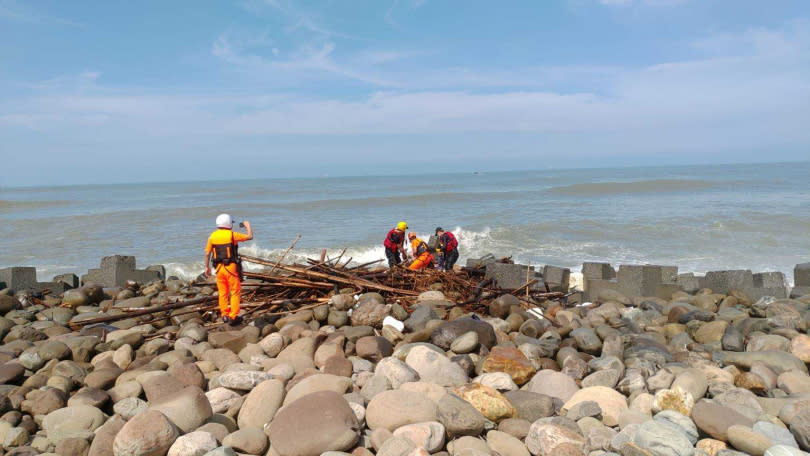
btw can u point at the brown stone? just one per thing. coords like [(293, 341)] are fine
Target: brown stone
[(511, 361), (715, 419), (492, 404)]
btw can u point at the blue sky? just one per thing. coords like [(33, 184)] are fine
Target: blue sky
[(97, 92)]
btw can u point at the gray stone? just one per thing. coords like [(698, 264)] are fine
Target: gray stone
[(459, 417), (663, 440), (447, 332)]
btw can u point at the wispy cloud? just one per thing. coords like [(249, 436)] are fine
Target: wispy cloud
[(750, 96)]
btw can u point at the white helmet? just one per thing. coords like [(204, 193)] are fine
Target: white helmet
[(224, 221)]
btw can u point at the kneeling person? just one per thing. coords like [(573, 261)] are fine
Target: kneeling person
[(421, 253)]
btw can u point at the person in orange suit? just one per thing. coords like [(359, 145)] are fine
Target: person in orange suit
[(423, 258), (222, 251)]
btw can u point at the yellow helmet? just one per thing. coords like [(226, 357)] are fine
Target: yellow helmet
[(402, 226)]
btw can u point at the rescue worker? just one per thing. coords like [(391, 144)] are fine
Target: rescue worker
[(222, 251), (421, 253), (448, 245), (395, 244)]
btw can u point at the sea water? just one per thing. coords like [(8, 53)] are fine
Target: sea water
[(696, 217)]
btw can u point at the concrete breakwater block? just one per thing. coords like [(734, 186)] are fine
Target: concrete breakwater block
[(801, 280), (116, 270), (662, 281), (20, 278), (630, 280), (511, 276)]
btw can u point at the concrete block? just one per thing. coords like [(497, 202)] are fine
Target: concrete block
[(666, 290), (798, 292), (592, 270), (688, 282), (511, 276), (639, 280), (801, 275), (25, 278), (483, 261), (769, 280), (558, 279), (18, 278), (160, 269), (116, 270), (724, 281), (594, 286), (70, 280), (756, 293), (669, 274)]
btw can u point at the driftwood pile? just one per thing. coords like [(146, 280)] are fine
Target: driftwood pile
[(279, 289)]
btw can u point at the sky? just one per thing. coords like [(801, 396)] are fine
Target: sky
[(115, 91)]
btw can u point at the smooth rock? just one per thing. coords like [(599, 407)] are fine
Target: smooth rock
[(291, 431), (610, 401), (147, 434), (195, 443), (393, 409)]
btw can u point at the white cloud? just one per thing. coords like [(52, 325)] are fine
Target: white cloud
[(754, 98)]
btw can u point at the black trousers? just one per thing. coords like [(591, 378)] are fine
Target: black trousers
[(393, 257), (449, 260)]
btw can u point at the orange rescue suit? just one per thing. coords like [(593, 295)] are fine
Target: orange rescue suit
[(423, 256), (228, 283)]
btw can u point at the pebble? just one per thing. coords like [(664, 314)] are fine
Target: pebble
[(624, 375)]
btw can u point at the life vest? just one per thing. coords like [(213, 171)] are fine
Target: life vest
[(449, 241), (225, 253), (421, 246), (393, 240)]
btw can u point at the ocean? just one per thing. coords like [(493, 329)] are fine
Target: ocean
[(696, 217)]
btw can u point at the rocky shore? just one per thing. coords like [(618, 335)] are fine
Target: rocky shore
[(702, 373)]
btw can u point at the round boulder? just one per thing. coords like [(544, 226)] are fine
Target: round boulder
[(314, 424)]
